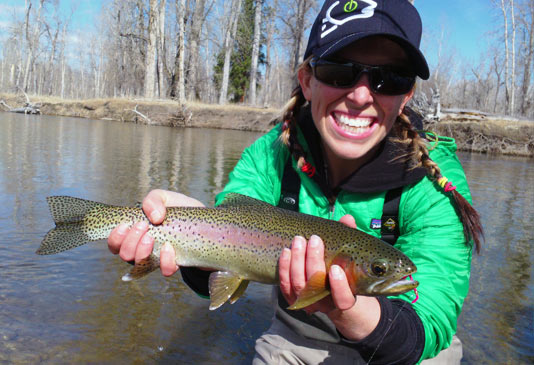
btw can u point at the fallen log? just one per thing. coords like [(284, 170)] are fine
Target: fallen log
[(28, 107)]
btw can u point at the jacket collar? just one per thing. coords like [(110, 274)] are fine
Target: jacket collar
[(379, 174)]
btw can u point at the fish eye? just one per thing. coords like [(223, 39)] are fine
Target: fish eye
[(379, 267)]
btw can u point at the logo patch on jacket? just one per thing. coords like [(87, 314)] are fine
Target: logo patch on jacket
[(390, 225), (376, 223)]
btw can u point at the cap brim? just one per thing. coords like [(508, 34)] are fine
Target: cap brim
[(419, 61)]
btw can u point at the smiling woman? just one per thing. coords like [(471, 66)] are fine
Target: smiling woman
[(353, 120), (344, 146)]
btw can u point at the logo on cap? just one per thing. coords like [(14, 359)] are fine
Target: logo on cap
[(349, 7)]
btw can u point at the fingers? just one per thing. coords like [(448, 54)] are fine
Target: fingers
[(154, 206), (131, 240), (297, 266), (168, 260), (284, 265), (341, 293), (116, 237), (348, 220), (155, 203), (144, 248), (136, 244), (315, 257)]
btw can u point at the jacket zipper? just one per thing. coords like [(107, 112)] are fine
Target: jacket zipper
[(331, 210)]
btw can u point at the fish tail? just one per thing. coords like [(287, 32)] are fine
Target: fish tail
[(67, 209), (68, 214), (62, 238)]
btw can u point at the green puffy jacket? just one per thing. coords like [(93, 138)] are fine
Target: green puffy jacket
[(431, 233)]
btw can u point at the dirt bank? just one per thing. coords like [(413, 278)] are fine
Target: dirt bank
[(472, 131), (162, 112), (489, 134)]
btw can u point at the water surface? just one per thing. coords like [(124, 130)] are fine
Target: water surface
[(73, 307)]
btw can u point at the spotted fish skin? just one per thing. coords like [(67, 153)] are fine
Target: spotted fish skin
[(241, 240)]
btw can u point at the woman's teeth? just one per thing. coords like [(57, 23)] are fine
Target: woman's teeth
[(353, 125)]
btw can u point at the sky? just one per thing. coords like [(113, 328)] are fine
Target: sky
[(464, 23)]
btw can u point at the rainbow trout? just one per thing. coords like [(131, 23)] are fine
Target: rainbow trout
[(242, 240)]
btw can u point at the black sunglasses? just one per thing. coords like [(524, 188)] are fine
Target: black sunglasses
[(386, 80)]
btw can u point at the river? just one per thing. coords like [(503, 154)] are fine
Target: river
[(73, 307)]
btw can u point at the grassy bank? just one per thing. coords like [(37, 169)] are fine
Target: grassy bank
[(472, 131)]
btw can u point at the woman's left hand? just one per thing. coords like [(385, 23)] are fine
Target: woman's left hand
[(355, 317)]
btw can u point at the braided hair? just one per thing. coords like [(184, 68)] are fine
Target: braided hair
[(418, 155)]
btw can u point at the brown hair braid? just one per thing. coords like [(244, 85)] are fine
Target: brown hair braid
[(289, 120), (419, 157)]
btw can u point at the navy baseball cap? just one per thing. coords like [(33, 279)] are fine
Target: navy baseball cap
[(341, 23)]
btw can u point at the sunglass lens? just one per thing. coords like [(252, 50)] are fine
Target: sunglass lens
[(384, 81), (344, 75), (334, 74)]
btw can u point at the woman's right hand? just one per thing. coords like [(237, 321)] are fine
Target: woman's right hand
[(136, 244)]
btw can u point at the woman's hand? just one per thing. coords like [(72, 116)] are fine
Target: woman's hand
[(355, 317), (136, 244)]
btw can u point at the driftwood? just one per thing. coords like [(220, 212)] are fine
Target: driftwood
[(145, 118), (27, 108)]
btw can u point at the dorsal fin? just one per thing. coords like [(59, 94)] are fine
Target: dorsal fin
[(238, 200)]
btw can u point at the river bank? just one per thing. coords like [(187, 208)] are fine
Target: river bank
[(473, 131)]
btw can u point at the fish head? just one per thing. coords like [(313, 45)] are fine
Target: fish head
[(382, 271)]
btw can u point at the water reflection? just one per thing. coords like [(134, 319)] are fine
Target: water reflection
[(498, 314), (73, 307)]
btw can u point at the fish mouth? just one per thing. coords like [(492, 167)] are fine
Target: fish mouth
[(393, 286)]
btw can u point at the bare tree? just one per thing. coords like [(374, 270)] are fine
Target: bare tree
[(509, 54), (33, 35), (255, 51), (267, 80), (196, 30), (161, 49), (229, 36), (527, 21), (150, 59), (178, 78)]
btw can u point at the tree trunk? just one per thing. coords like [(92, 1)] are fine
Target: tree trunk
[(231, 30), (299, 30), (161, 48), (498, 76), (509, 54), (512, 88), (267, 79), (527, 70), (178, 83), (196, 30), (255, 51), (150, 57)]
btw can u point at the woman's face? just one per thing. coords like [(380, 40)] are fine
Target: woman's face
[(353, 121)]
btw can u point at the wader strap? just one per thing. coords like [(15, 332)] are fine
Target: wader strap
[(390, 216), (289, 194), (289, 199)]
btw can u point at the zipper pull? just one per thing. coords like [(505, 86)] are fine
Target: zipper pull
[(331, 210)]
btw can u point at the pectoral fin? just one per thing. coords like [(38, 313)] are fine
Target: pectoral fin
[(142, 268), (225, 285), (314, 291), (239, 291)]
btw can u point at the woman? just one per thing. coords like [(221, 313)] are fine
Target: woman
[(346, 133)]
